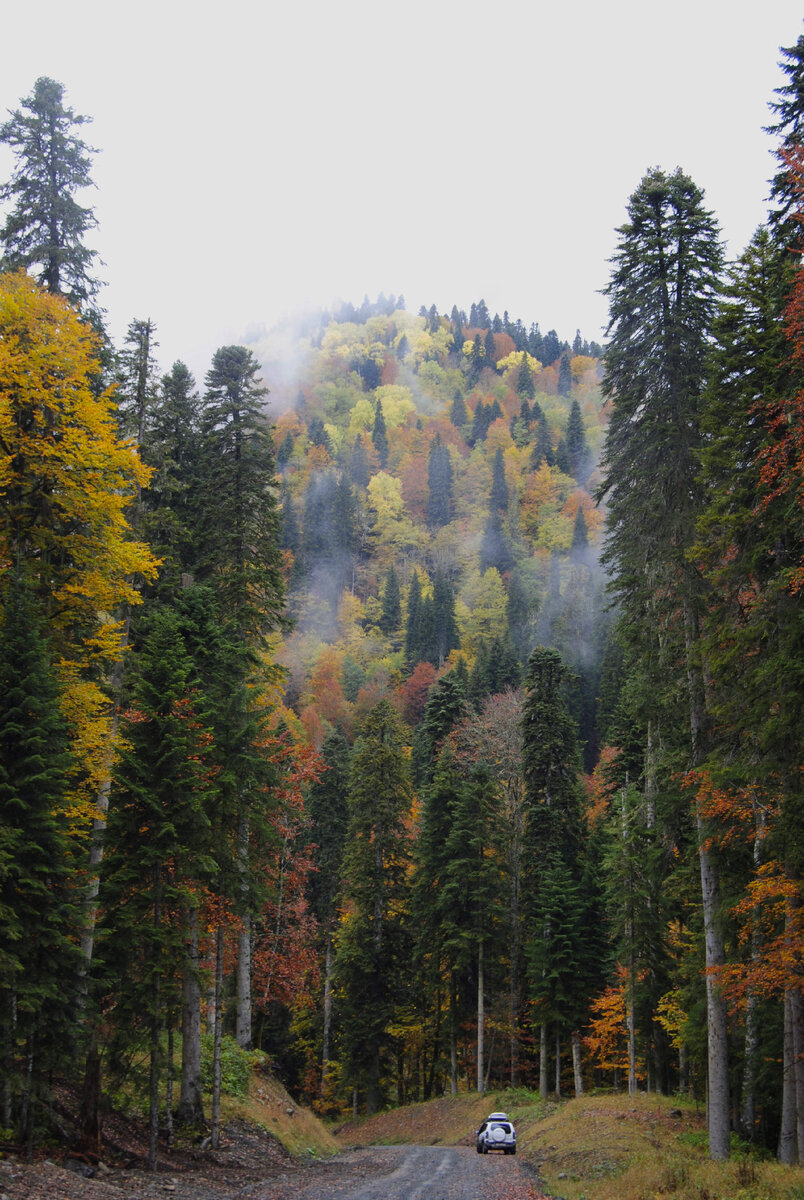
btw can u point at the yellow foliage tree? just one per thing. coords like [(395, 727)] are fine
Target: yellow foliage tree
[(66, 481)]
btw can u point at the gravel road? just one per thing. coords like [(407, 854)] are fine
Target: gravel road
[(404, 1173)]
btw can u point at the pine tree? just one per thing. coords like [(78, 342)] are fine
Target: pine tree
[(45, 229)]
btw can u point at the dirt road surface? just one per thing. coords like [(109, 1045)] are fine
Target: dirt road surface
[(404, 1173)]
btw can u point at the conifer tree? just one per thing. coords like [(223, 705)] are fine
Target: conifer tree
[(662, 294), (576, 442), (240, 514), (525, 385), (391, 615), (379, 435), (373, 944), (439, 479), (39, 960), (458, 414), (45, 229), (499, 486), (564, 376), (329, 814)]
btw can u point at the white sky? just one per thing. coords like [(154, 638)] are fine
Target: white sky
[(257, 157)]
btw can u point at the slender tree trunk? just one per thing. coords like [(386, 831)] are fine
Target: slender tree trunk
[(90, 1114), (153, 1074), (751, 1056), (558, 1064), (243, 1017), (543, 1062), (797, 1019), (216, 1054), (481, 1016), (327, 1012), (191, 1102), (453, 1036), (717, 1109), (576, 1062), (169, 1083), (788, 1148), (717, 1105), (632, 1075)]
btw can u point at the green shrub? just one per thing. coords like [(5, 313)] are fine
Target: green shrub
[(237, 1065)]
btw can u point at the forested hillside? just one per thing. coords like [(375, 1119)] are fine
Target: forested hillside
[(414, 700)]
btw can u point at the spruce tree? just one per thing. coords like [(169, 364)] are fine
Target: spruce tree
[(45, 229), (499, 486)]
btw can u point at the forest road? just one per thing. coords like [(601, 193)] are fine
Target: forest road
[(404, 1173)]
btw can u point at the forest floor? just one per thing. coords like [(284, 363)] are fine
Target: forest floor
[(600, 1147)]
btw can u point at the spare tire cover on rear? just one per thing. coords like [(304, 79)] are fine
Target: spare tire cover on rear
[(498, 1134)]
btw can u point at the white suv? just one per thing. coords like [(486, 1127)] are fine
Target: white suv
[(496, 1133)]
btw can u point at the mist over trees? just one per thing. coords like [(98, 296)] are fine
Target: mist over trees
[(425, 718)]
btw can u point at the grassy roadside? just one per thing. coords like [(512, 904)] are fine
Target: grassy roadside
[(599, 1147)]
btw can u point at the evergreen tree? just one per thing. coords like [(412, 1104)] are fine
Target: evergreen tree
[(162, 787), (576, 442), (39, 959), (284, 450), (379, 436), (391, 615), (580, 536), (498, 500), (551, 348), (413, 636), (525, 386), (444, 708), (439, 478), (495, 550), (445, 628), (45, 229), (240, 514), (373, 945), (358, 464), (543, 446), (489, 350), (564, 376), (662, 294), (458, 414)]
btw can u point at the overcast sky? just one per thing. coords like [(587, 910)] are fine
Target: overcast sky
[(259, 157)]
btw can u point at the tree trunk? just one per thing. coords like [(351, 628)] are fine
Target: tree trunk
[(453, 1037), (481, 1016), (327, 1012), (558, 1064), (153, 1074), (243, 1016), (576, 1062), (243, 1020), (216, 1053), (169, 1084), (788, 1147), (632, 1075), (717, 1105), (543, 1063), (89, 1119), (191, 1103)]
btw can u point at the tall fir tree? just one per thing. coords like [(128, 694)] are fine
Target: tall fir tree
[(46, 228)]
